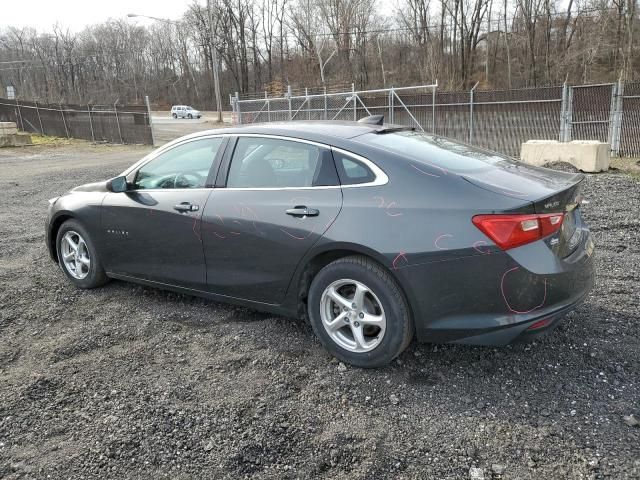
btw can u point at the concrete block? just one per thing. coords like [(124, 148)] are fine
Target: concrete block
[(585, 155), (15, 140), (8, 128)]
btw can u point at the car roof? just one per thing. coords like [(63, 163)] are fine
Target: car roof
[(314, 130)]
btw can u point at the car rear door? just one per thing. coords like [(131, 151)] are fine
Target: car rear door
[(153, 230), (277, 197)]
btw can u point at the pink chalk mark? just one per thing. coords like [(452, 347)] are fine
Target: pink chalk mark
[(479, 244), (444, 172), (380, 201), (381, 204), (297, 237), (400, 256), (544, 298), (425, 173), (440, 237), (392, 214)]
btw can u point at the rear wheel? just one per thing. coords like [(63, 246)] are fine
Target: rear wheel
[(359, 313), (78, 257)]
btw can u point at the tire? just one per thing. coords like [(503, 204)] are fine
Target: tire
[(175, 116), (190, 117), (392, 319), (90, 276)]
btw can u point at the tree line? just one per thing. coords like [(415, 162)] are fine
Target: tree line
[(265, 45)]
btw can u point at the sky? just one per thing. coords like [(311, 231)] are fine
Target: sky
[(76, 14)]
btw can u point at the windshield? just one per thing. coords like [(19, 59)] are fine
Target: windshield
[(442, 152)]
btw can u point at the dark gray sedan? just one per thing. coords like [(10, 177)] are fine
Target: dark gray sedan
[(373, 233)]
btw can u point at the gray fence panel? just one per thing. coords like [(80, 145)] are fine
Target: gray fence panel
[(591, 112), (499, 120), (109, 123), (630, 121)]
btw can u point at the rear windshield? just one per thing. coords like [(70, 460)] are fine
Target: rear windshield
[(439, 151)]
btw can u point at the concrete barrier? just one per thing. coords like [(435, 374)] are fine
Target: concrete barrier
[(8, 128), (585, 155), (9, 136)]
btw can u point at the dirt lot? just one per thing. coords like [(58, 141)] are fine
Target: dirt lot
[(132, 382)]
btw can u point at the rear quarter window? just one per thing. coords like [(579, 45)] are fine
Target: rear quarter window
[(352, 171)]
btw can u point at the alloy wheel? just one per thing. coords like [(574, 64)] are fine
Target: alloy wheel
[(75, 255), (352, 315)]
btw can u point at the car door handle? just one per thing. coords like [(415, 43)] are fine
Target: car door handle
[(186, 207), (302, 211)]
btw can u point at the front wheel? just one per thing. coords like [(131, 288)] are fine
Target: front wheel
[(78, 257), (358, 312)]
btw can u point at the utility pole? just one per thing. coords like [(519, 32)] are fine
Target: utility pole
[(214, 61)]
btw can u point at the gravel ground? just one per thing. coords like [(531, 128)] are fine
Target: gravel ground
[(133, 382)]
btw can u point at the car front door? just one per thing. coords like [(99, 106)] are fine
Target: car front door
[(277, 198), (153, 230)]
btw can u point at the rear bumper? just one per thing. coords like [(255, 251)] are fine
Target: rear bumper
[(493, 299), (521, 331)]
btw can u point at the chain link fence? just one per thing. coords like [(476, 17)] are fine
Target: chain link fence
[(98, 123), (499, 120)]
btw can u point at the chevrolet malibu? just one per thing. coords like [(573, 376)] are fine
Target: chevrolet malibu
[(373, 233)]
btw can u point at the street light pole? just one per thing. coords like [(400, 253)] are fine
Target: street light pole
[(214, 54), (214, 66)]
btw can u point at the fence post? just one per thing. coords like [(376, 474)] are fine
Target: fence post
[(391, 106), (266, 99), (306, 100), (239, 112), (471, 112), (39, 119), (569, 115), (289, 97), (433, 108), (115, 108), (563, 113), (64, 121), (153, 137), (616, 117), (93, 137), (20, 115), (353, 97), (325, 102)]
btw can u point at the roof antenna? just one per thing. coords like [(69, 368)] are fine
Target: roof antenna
[(372, 120)]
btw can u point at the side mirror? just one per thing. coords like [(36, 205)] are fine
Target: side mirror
[(117, 185)]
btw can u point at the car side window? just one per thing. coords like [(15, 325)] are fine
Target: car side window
[(274, 163), (352, 171), (184, 166)]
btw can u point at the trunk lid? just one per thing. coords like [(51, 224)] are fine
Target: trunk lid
[(549, 190), (544, 191)]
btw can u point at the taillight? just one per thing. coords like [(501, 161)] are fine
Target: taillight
[(512, 230)]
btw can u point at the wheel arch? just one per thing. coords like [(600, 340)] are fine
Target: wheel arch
[(320, 258), (54, 227)]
